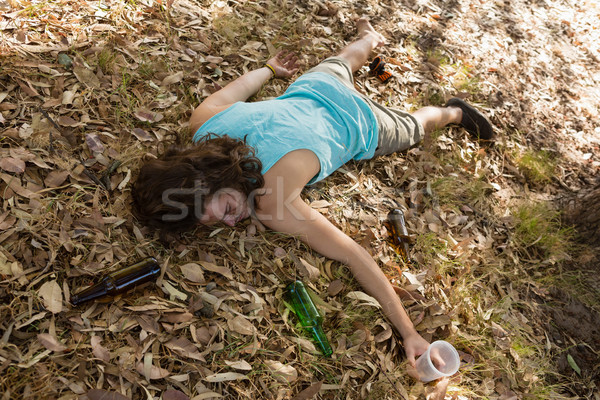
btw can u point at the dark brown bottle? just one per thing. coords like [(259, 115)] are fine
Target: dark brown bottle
[(120, 281), (399, 234)]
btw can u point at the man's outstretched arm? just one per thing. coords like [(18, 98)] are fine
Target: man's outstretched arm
[(322, 236), (243, 88), (283, 210)]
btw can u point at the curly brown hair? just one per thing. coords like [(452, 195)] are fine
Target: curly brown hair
[(170, 192)]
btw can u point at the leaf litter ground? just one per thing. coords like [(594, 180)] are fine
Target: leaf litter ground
[(89, 89)]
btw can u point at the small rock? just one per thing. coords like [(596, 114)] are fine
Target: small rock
[(65, 60)]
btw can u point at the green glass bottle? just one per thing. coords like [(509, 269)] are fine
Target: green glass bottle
[(297, 296), (399, 233), (120, 281)]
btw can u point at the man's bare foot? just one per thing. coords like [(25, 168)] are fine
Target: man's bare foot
[(366, 30)]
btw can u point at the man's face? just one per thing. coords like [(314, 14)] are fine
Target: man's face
[(229, 206)]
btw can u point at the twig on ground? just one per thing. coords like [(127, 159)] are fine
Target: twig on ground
[(107, 173), (92, 176)]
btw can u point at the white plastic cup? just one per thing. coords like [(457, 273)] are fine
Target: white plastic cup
[(441, 359)]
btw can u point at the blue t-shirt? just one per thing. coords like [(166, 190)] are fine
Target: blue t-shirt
[(317, 112)]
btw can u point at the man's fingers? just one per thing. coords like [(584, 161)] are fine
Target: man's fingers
[(291, 57), (412, 371), (410, 356), (438, 361)]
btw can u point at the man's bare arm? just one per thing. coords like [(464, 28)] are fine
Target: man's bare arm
[(242, 88), (284, 211)]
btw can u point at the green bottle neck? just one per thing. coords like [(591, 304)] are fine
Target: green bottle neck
[(321, 340)]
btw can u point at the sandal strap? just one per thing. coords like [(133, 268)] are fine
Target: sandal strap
[(384, 76), (375, 63)]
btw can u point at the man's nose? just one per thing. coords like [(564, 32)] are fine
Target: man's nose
[(229, 220)]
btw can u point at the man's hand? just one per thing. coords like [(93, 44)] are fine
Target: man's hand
[(414, 346), (285, 64)]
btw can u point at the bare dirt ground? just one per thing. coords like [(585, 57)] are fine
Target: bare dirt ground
[(89, 89)]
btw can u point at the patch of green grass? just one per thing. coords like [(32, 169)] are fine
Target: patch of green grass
[(429, 245), (434, 252), (324, 370), (522, 348), (544, 392), (537, 166), (539, 233), (468, 84), (576, 283), (462, 78), (147, 70), (429, 96), (455, 190), (126, 104), (354, 316), (434, 96), (106, 60), (437, 57)]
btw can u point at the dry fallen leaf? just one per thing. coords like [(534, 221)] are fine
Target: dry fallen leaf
[(214, 59), (283, 373), (94, 143), (142, 135), (51, 342), (146, 115), (98, 350), (242, 365), (335, 287), (279, 252), (320, 204), (65, 120), (241, 325), (192, 272), (226, 272), (56, 178), (438, 392), (171, 79), (27, 89), (185, 348), (51, 295), (364, 298), (155, 372), (172, 394), (307, 270), (310, 392), (225, 376), (87, 77), (11, 164)]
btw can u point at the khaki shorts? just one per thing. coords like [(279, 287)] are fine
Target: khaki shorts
[(398, 130)]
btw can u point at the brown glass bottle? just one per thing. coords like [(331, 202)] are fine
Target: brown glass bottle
[(399, 234), (120, 281)]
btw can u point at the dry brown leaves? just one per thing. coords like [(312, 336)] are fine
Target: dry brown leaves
[(87, 89)]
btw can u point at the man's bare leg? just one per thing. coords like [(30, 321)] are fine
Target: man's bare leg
[(433, 118), (357, 53), (458, 112)]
